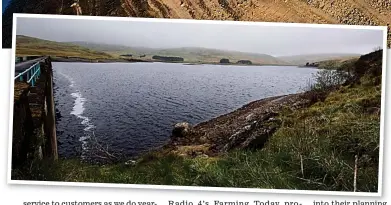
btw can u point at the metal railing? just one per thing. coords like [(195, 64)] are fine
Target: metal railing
[(32, 74)]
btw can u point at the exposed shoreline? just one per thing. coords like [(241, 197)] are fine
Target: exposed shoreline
[(249, 126)]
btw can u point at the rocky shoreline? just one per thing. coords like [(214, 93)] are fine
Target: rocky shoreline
[(248, 127)]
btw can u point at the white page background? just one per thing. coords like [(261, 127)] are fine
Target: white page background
[(17, 194)]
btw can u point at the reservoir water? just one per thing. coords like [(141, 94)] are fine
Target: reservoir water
[(132, 107)]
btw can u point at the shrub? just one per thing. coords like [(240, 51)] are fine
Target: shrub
[(325, 82), (327, 79)]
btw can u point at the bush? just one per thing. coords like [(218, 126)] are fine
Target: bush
[(327, 79)]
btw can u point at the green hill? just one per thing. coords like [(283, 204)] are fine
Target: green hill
[(26, 45)]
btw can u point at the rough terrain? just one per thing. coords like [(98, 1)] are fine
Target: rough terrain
[(248, 127), (354, 12)]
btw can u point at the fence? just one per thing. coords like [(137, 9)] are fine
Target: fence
[(31, 74)]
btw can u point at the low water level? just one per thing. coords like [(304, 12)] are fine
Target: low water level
[(132, 107)]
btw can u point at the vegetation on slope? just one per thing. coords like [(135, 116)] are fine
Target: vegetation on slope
[(33, 46), (314, 149)]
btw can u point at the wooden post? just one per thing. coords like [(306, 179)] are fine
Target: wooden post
[(355, 174)]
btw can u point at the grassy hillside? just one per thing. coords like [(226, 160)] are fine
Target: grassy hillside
[(343, 63), (190, 54), (33, 46), (120, 49), (303, 59), (315, 148)]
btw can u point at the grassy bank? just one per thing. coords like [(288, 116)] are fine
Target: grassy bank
[(315, 148)]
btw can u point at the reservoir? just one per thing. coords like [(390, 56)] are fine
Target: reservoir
[(132, 107)]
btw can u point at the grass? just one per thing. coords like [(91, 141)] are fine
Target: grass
[(313, 150)]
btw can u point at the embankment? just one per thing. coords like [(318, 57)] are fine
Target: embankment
[(34, 132)]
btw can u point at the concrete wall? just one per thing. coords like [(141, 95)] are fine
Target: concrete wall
[(34, 131), (50, 125), (22, 124)]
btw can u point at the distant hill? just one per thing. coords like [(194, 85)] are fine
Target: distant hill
[(26, 45), (303, 59), (190, 54), (214, 55)]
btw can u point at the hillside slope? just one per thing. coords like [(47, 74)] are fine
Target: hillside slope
[(34, 46), (190, 54), (303, 59), (355, 12)]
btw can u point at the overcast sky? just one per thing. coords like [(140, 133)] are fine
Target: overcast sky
[(273, 40)]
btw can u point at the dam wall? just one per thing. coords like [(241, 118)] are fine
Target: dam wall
[(34, 130)]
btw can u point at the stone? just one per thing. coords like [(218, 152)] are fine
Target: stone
[(181, 130), (249, 117), (130, 162)]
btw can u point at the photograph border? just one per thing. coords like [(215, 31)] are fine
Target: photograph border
[(198, 188)]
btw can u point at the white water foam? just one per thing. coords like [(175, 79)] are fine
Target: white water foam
[(78, 110)]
